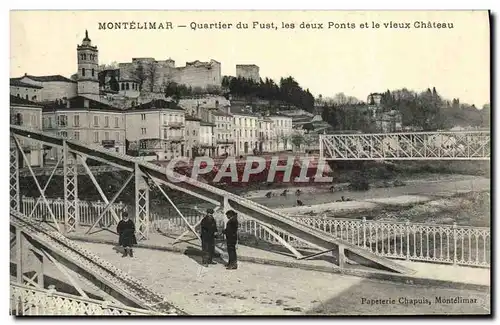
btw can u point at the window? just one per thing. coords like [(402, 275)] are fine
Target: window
[(106, 135), (117, 136), (240, 133), (76, 120), (96, 136), (92, 72), (96, 120), (143, 130), (63, 134), (33, 98), (27, 98), (62, 120), (77, 135), (117, 122), (49, 121), (106, 121), (127, 86), (123, 86), (83, 72), (194, 132), (143, 117), (165, 136)]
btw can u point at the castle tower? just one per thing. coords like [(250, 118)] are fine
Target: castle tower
[(88, 63)]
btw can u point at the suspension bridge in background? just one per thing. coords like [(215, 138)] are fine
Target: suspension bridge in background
[(41, 227)]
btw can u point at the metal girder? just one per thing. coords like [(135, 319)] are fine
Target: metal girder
[(109, 279), (71, 209), (141, 204), (45, 187), (461, 145), (110, 203), (15, 197), (42, 193), (25, 252)]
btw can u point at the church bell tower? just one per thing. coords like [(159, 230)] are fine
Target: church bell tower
[(88, 63)]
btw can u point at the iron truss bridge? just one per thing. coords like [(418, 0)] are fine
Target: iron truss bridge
[(461, 145), (144, 175)]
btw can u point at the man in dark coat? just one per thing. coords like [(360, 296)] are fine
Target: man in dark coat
[(208, 231), (231, 233), (126, 233)]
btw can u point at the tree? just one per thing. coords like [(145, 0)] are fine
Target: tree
[(151, 75), (284, 138), (110, 66), (308, 127), (297, 140), (340, 99)]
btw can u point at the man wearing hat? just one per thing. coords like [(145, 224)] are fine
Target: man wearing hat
[(208, 231), (231, 233)]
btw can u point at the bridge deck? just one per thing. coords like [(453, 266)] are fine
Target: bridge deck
[(263, 254), (256, 289)]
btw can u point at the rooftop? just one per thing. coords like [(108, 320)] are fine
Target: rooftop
[(18, 83), (221, 113), (157, 104), (56, 77), (192, 118), (78, 103), (18, 101)]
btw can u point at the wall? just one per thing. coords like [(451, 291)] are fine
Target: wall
[(249, 71), (138, 120), (196, 74), (31, 118), (207, 101), (80, 126), (192, 136), (53, 90), (246, 127), (33, 94), (281, 126), (223, 131)]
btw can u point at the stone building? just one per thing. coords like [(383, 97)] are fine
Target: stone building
[(86, 120), (153, 74), (27, 114), (248, 71), (156, 129)]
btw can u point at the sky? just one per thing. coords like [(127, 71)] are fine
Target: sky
[(356, 61)]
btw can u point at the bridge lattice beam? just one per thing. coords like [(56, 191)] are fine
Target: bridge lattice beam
[(461, 145)]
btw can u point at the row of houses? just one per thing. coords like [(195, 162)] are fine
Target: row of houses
[(157, 130)]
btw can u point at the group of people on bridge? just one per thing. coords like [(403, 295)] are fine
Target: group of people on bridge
[(208, 234)]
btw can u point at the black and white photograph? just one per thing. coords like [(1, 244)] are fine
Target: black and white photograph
[(250, 163)]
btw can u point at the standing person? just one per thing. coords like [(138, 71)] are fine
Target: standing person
[(231, 233), (208, 231), (126, 233)]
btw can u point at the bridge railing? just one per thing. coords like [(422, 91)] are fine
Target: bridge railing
[(89, 211), (438, 243), (31, 301)]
